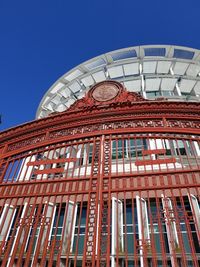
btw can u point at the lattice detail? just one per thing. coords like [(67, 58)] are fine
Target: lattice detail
[(105, 205), (27, 142), (95, 170), (31, 220), (93, 207), (142, 123), (56, 244), (106, 157)]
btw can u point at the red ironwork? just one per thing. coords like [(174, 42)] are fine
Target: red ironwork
[(111, 183)]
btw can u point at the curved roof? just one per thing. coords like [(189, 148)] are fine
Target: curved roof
[(153, 70)]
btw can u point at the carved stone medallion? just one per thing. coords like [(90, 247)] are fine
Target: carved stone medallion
[(105, 92)]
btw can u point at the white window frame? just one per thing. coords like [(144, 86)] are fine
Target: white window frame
[(49, 212), (117, 229), (143, 225), (69, 226), (6, 219), (196, 213), (172, 234)]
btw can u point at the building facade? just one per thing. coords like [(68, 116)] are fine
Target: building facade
[(109, 172)]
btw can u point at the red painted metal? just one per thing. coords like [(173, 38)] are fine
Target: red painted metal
[(103, 184), (42, 162), (155, 161)]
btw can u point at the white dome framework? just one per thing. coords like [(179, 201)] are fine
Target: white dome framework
[(153, 71)]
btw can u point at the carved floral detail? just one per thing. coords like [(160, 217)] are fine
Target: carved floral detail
[(123, 97), (124, 110)]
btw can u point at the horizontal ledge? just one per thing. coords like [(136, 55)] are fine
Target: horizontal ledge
[(153, 151), (49, 171), (50, 161), (154, 162)]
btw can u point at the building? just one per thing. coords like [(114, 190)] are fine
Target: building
[(109, 172)]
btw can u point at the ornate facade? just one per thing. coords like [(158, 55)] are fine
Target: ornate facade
[(112, 181)]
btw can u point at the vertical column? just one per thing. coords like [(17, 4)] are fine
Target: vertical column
[(117, 230), (143, 230), (172, 234), (197, 148), (44, 232), (196, 213), (22, 232), (6, 220), (69, 228), (105, 206), (92, 211)]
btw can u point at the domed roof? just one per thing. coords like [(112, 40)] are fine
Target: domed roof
[(153, 71)]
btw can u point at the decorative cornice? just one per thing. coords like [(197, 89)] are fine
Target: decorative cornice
[(88, 111), (111, 90)]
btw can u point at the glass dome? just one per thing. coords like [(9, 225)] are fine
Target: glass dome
[(154, 71)]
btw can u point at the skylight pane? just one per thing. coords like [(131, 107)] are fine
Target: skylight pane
[(149, 66), (163, 66), (99, 76), (193, 70), (96, 63), (187, 85), (168, 84), (179, 53), (75, 86), (133, 86), (197, 88), (158, 52), (180, 68), (87, 81), (73, 75), (124, 55), (60, 108), (57, 87), (115, 72), (152, 84), (56, 99), (65, 92), (131, 69)]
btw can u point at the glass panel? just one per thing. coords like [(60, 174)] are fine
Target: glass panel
[(159, 52), (179, 53), (130, 243), (123, 55), (79, 234), (96, 63), (153, 94)]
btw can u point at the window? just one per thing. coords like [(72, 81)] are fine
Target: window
[(7, 219), (13, 170), (79, 234), (128, 148), (185, 54), (117, 246), (170, 224), (167, 93), (131, 227), (194, 207), (153, 94), (185, 94), (159, 52), (123, 55), (143, 227), (63, 227), (158, 232), (84, 154)]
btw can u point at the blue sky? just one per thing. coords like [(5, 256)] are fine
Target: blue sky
[(40, 40)]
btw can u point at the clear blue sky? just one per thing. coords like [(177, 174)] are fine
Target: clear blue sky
[(42, 39)]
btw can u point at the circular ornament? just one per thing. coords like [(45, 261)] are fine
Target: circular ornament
[(105, 92)]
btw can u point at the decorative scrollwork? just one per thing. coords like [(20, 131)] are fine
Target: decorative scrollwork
[(27, 142)]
